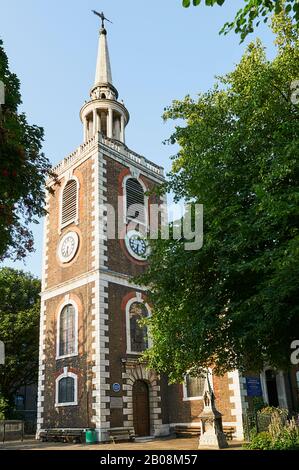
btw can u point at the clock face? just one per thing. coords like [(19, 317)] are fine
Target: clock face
[(136, 245), (68, 247)]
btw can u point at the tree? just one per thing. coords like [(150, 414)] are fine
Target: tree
[(19, 330), (234, 303), (250, 16), (23, 170)]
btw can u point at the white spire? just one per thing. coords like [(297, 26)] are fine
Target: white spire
[(104, 113), (103, 70)]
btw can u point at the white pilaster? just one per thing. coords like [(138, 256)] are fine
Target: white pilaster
[(95, 122), (110, 123), (99, 121), (238, 400), (122, 128), (100, 342)]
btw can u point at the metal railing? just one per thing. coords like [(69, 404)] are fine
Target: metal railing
[(11, 430)]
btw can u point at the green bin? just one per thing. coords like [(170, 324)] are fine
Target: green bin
[(90, 436)]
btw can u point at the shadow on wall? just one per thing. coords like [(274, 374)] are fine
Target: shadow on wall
[(78, 415)]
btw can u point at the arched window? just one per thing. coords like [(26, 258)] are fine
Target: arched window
[(135, 201), (137, 332), (69, 207), (66, 389), (67, 331)]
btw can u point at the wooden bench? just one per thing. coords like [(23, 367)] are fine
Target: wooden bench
[(190, 431), (121, 434), (187, 431), (63, 435), (229, 432)]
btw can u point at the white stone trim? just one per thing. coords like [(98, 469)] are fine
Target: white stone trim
[(236, 399), (64, 375), (139, 372), (67, 302), (68, 286), (112, 150), (42, 329), (75, 159), (100, 304), (45, 246), (116, 278), (41, 371), (87, 278)]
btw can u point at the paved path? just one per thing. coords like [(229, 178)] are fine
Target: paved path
[(167, 443)]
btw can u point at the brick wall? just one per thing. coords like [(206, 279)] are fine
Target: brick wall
[(119, 259), (72, 416), (58, 273)]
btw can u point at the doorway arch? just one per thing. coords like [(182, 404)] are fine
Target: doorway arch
[(141, 408), (272, 388)]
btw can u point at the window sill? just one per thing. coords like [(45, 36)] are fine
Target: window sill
[(135, 353), (67, 356)]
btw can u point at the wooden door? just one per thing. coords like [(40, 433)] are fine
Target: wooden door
[(141, 412)]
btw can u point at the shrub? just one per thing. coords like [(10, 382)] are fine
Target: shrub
[(281, 436), (3, 407), (261, 441), (287, 437)]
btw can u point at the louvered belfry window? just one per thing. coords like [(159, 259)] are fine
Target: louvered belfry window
[(135, 201), (69, 203)]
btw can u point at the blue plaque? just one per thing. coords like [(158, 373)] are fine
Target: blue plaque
[(116, 387), (254, 387)]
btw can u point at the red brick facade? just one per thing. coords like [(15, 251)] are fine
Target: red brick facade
[(101, 290)]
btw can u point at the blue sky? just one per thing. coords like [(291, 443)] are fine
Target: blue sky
[(159, 52)]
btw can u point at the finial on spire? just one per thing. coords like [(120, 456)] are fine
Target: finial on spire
[(102, 16)]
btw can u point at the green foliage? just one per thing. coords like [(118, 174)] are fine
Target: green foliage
[(3, 407), (287, 438), (258, 403), (234, 303), (19, 330), (254, 11), (261, 441), (282, 435), (280, 413), (23, 170)]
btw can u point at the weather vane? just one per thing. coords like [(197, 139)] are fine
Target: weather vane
[(102, 16)]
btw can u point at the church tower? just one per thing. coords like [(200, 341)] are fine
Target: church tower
[(91, 339)]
